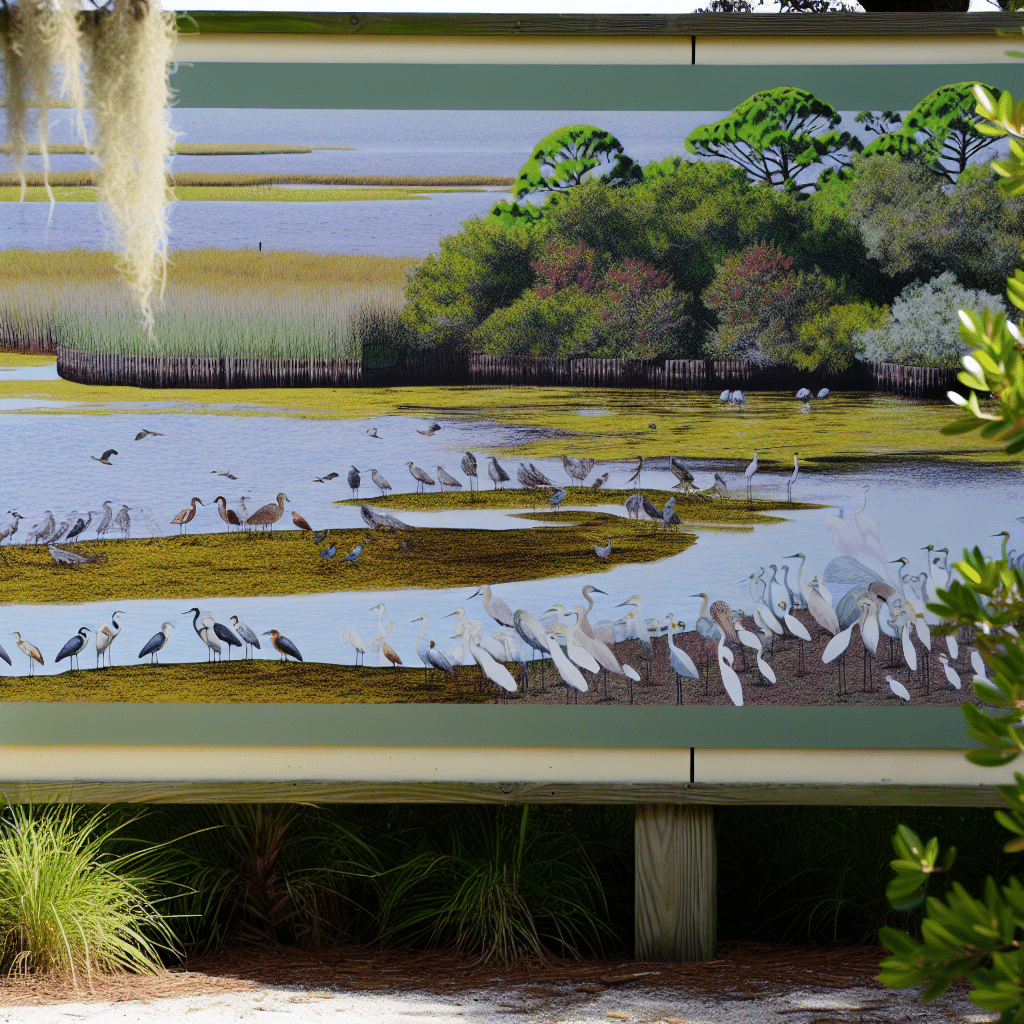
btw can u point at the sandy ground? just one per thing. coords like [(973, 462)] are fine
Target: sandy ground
[(747, 985)]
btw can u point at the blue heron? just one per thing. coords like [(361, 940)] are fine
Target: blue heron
[(156, 643), (74, 647)]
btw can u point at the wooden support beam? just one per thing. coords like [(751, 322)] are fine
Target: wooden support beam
[(676, 883)]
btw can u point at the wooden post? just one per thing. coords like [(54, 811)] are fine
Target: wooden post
[(676, 883)]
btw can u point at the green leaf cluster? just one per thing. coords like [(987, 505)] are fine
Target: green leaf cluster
[(963, 936)]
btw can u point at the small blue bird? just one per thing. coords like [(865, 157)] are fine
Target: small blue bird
[(355, 552), (557, 498), (328, 552)]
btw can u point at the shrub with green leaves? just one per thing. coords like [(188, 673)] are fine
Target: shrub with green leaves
[(980, 939), (70, 907), (924, 324)]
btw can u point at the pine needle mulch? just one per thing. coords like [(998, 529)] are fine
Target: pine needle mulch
[(742, 971)]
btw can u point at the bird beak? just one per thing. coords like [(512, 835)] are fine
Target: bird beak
[(596, 590), (475, 593), (267, 633), (449, 615)]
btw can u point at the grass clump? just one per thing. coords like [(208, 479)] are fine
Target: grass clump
[(201, 178), (485, 880), (67, 906)]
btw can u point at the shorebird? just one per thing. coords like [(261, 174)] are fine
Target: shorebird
[(379, 480), (446, 479), (250, 638), (124, 522), (181, 520), (300, 522), (497, 473), (603, 550), (419, 476), (30, 651), (230, 516), (283, 645), (268, 514), (599, 482), (105, 457), (156, 643), (74, 647), (577, 469), (469, 468)]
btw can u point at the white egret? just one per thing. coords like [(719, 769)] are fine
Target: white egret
[(819, 604), (350, 636), (730, 680), (493, 670), (951, 673), (752, 641), (571, 675), (575, 641), (494, 606), (682, 664), (749, 474), (428, 653), (794, 477), (898, 688), (106, 635)]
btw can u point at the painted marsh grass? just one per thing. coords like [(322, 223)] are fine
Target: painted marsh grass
[(67, 179), (218, 302), (190, 148)]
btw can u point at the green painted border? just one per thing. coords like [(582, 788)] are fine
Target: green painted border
[(426, 725), (531, 87)]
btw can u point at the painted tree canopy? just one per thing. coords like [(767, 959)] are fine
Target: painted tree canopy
[(776, 135)]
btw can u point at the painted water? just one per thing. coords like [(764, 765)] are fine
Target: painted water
[(914, 503)]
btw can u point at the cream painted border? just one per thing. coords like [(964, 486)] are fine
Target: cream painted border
[(493, 765), (658, 50)]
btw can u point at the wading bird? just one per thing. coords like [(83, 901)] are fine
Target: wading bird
[(350, 636), (469, 468), (181, 520), (80, 527), (380, 482), (250, 638), (353, 481), (824, 393), (73, 647), (283, 645), (328, 553), (682, 664), (680, 472), (5, 656), (494, 606), (105, 457), (266, 516), (105, 637), (803, 394), (301, 522), (204, 633), (427, 652), (30, 651), (419, 476), (749, 474), (229, 516), (445, 479), (557, 498), (635, 478), (898, 688), (11, 528), (147, 433), (794, 477), (42, 529), (577, 469), (156, 643), (372, 432), (951, 674), (603, 550), (496, 472), (62, 557)]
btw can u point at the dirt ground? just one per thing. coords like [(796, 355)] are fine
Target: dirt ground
[(748, 982)]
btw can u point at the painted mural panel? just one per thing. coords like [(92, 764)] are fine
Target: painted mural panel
[(603, 407)]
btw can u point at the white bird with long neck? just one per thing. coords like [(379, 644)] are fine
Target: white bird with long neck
[(494, 606), (819, 604), (752, 641), (794, 477), (951, 674), (575, 640), (763, 615), (793, 624), (350, 636), (749, 474), (730, 680), (493, 670), (801, 586), (682, 664), (106, 635)]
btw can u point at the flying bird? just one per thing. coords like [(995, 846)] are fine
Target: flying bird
[(105, 457), (147, 433), (432, 429), (372, 432)]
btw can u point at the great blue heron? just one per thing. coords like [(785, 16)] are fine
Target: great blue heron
[(156, 643), (380, 482), (105, 457), (124, 522), (420, 477), (105, 637), (30, 651), (354, 481), (283, 645), (181, 520), (634, 505), (267, 515), (74, 647)]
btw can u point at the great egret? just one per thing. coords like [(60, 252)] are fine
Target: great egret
[(350, 636), (428, 652), (106, 635), (730, 680), (898, 688), (951, 673), (794, 477), (752, 641), (749, 474), (682, 664), (494, 606)]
